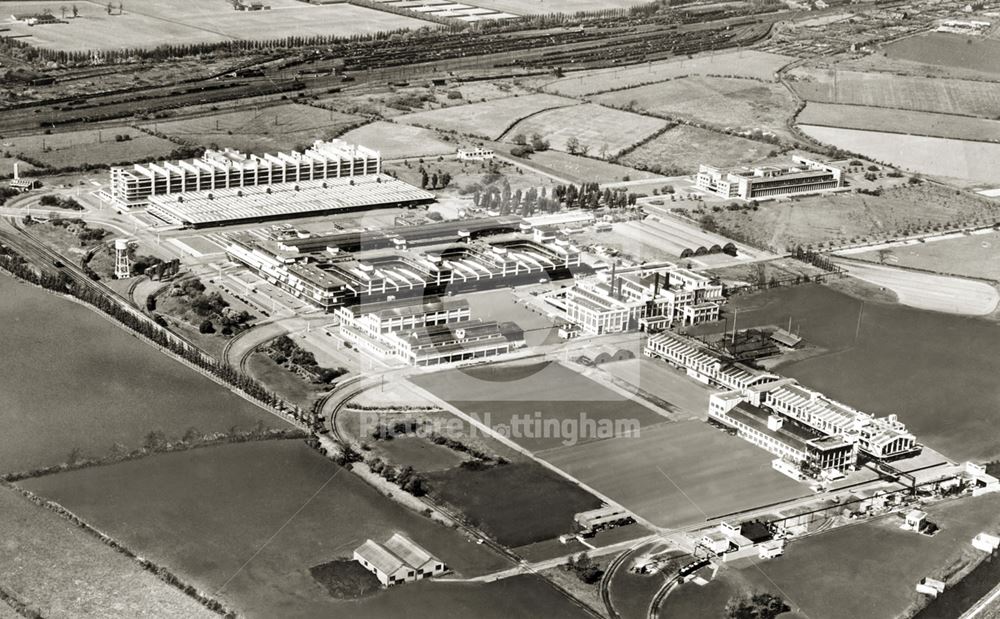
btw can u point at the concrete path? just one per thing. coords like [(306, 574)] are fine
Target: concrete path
[(940, 293)]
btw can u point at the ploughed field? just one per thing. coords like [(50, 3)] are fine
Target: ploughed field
[(248, 521), (72, 379), (900, 121)]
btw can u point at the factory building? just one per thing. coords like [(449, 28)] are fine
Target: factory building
[(229, 169), (797, 424), (398, 560), (803, 176), (650, 299)]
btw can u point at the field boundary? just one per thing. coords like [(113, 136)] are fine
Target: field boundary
[(511, 126), (897, 132)]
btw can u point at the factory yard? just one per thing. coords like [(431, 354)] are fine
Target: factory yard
[(678, 474), (900, 121), (292, 126), (188, 22), (487, 119), (941, 293)]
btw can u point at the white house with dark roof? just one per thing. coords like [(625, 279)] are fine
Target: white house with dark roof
[(398, 560)]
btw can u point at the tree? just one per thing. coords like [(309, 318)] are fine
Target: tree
[(883, 255), (74, 457), (760, 605), (155, 440), (206, 326), (423, 179), (520, 140), (76, 12), (573, 145)]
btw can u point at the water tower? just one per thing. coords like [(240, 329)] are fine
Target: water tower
[(123, 267)]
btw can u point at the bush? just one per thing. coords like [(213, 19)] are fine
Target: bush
[(206, 326)]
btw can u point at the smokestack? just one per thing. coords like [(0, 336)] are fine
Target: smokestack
[(613, 265), (619, 295), (666, 280), (736, 313), (656, 284), (16, 174)]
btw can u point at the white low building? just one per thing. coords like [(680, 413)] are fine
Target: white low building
[(398, 560)]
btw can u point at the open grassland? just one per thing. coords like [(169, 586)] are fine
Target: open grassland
[(680, 150), (59, 570), (489, 119), (975, 255), (516, 504), (178, 22), (604, 132), (839, 586), (745, 63), (422, 454), (677, 474), (92, 146), (949, 50), (7, 163), (584, 169), (249, 520), (851, 217), (544, 391), (61, 391), (723, 102), (398, 141), (947, 96), (900, 121), (972, 162), (260, 130)]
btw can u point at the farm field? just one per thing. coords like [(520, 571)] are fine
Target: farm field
[(840, 218), (973, 162), (489, 119), (260, 130), (900, 121), (839, 586), (421, 454), (584, 169), (976, 255), (91, 146), (678, 474), (743, 63), (682, 148), (542, 391), (396, 141), (188, 21), (720, 101), (533, 7), (59, 570), (603, 131), (516, 504), (947, 96), (117, 393), (206, 512), (949, 50)]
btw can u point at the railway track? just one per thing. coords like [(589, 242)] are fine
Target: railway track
[(605, 585)]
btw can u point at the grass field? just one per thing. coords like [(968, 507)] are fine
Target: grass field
[(900, 121), (678, 474), (515, 504), (188, 21), (91, 146), (584, 169), (7, 163), (260, 130), (977, 255), (544, 390), (396, 141), (973, 162), (544, 7), (744, 63), (949, 50), (249, 520), (603, 131), (839, 218), (59, 570), (723, 102), (489, 119), (421, 454), (948, 96), (681, 149)]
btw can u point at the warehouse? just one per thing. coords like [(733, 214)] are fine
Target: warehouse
[(398, 560)]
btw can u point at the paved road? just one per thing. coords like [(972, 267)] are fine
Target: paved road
[(941, 293)]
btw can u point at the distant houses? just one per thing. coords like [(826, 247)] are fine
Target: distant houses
[(398, 560)]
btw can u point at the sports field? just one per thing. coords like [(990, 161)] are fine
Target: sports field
[(720, 101), (59, 570), (900, 121), (948, 96), (92, 146), (501, 394), (604, 132), (677, 474), (249, 520), (949, 50), (260, 130), (681, 149), (976, 255), (396, 141), (487, 119), (743, 63), (960, 159), (148, 24)]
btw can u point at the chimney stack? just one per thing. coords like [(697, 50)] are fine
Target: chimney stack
[(656, 284), (16, 174)]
